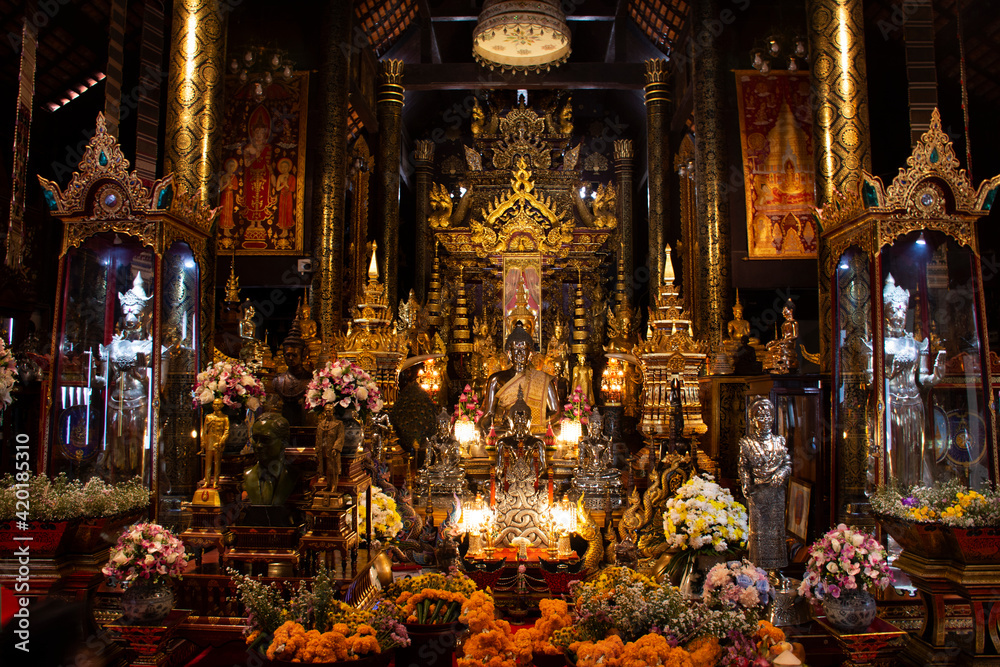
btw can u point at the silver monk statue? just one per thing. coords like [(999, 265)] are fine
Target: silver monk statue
[(764, 470)]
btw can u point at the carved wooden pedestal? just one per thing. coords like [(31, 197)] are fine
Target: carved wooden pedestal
[(253, 546), (979, 584), (155, 643), (878, 646), (208, 522), (332, 520)]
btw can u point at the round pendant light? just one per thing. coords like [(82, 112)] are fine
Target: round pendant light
[(521, 35)]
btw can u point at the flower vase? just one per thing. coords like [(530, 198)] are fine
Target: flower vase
[(695, 570), (146, 601), (431, 645), (354, 434), (239, 429), (852, 612)]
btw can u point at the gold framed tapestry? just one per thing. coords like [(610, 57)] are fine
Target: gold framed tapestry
[(778, 171), (262, 184)]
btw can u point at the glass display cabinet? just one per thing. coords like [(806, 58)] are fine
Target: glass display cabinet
[(129, 324), (909, 352)]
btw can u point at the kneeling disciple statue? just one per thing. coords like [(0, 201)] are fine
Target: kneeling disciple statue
[(764, 470)]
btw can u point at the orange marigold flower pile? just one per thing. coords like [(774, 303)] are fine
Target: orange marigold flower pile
[(555, 616), (292, 643), (652, 651), (705, 651), (603, 653), (490, 642), (768, 636)]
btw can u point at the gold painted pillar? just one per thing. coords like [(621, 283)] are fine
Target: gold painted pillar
[(195, 96), (657, 122), (390, 115), (424, 158), (711, 191), (624, 154), (838, 78), (331, 171), (841, 143), (841, 148)]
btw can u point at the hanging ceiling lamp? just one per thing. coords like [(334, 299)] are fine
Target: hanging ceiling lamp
[(522, 35)]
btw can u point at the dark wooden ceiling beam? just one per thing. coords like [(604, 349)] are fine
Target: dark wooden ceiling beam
[(429, 51), (470, 76), (617, 37)]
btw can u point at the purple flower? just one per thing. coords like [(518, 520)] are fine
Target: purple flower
[(909, 501)]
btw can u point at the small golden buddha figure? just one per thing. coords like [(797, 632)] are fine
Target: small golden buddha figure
[(736, 330), (583, 377), (782, 354)]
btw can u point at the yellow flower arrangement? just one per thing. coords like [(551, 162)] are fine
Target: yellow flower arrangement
[(921, 514)]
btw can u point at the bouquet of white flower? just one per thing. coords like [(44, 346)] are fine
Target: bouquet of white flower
[(386, 521), (704, 515), (231, 382)]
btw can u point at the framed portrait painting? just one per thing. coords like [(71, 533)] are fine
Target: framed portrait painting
[(797, 516)]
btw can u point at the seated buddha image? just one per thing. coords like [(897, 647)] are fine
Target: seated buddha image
[(503, 387)]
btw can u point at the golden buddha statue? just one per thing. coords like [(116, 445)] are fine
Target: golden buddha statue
[(736, 330), (782, 355), (312, 344), (583, 377)]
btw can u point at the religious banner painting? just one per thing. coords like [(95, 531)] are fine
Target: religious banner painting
[(263, 166), (776, 136), (523, 271)]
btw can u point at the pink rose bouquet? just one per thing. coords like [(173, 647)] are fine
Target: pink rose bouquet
[(844, 559), (737, 584), (231, 382), (146, 551), (577, 407), (468, 408), (346, 386)]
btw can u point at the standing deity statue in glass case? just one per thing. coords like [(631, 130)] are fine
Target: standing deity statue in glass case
[(125, 360), (907, 362), (764, 470)]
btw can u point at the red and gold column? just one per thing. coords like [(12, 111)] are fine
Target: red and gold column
[(195, 96), (390, 116)]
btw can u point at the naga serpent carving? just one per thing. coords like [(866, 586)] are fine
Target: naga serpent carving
[(588, 530)]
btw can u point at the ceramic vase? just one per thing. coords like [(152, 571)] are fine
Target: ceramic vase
[(852, 612)]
